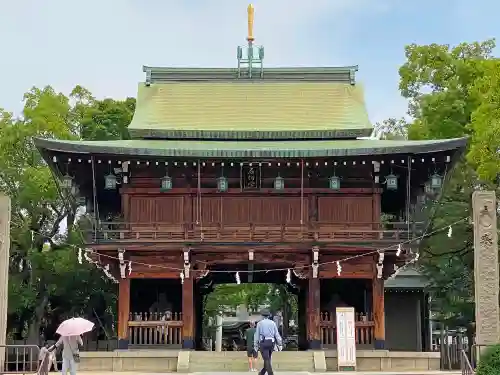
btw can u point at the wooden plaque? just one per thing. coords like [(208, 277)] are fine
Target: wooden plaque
[(250, 176)]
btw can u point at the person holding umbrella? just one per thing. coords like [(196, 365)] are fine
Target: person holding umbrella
[(71, 340)]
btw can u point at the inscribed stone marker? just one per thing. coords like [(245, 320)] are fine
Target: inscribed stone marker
[(486, 267)]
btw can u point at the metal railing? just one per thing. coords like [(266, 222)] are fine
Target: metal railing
[(465, 365), (19, 359)]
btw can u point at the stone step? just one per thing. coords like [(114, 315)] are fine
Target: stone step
[(237, 361), (233, 366)]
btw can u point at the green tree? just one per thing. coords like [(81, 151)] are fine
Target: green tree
[(392, 129), (253, 296), (437, 79), (47, 282), (105, 119), (444, 86), (485, 122), (230, 296)]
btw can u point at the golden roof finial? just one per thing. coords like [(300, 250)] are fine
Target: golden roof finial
[(250, 10)]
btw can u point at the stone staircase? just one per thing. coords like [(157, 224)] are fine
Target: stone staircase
[(237, 361)]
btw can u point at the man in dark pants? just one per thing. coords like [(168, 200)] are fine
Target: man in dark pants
[(266, 338)]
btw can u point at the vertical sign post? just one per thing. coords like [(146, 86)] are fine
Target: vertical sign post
[(346, 339)]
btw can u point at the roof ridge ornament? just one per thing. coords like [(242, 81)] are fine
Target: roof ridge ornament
[(250, 11), (250, 55)]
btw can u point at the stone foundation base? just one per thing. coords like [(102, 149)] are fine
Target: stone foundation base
[(155, 360), (385, 360), (164, 361)]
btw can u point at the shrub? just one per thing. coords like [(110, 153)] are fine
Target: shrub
[(489, 362)]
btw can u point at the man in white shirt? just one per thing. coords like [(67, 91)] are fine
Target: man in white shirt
[(267, 338)]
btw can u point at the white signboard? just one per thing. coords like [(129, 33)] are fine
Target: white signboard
[(346, 338)]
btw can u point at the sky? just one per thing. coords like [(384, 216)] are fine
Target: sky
[(102, 45)]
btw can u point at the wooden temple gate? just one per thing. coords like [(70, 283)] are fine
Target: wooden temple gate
[(225, 235), (213, 175)]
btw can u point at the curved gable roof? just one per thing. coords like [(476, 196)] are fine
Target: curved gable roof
[(310, 103)]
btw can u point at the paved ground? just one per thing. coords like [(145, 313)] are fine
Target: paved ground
[(337, 373), (279, 373)]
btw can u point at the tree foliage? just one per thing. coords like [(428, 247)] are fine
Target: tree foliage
[(253, 296), (46, 282), (485, 122), (489, 362), (392, 128), (452, 92)]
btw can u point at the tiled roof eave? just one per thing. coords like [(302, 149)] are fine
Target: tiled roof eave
[(347, 133), (240, 149)]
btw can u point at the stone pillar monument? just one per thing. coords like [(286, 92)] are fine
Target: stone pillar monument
[(218, 333), (486, 267), (4, 271)]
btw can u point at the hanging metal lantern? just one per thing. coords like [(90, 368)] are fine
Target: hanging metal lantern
[(279, 183), (46, 246), (335, 183), (66, 182), (222, 184), (391, 181), (436, 181), (110, 182), (166, 183)]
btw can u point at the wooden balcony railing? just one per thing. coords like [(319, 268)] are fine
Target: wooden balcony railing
[(152, 329), (316, 231), (364, 329)]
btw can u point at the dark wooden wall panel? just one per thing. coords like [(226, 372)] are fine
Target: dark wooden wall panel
[(164, 209), (362, 267), (339, 209), (142, 209), (234, 209), (244, 210)]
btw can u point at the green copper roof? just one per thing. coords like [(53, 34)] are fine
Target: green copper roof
[(407, 279), (249, 149), (250, 109)]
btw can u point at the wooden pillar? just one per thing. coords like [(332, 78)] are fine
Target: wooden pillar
[(376, 210), (313, 313), (188, 313), (302, 317), (378, 312), (126, 207), (198, 318), (123, 312), (5, 213)]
